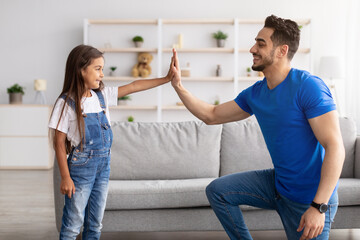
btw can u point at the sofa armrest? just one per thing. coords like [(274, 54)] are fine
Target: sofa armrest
[(357, 158)]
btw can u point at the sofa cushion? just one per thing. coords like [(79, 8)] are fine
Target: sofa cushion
[(153, 151), (357, 158), (349, 191), (348, 132), (150, 194), (243, 147)]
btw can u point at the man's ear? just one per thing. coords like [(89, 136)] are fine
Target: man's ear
[(283, 50)]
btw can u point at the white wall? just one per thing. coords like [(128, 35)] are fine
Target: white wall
[(37, 35)]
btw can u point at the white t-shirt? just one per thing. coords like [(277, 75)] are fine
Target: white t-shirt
[(68, 123)]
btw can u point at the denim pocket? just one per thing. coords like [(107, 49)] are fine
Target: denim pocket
[(79, 160)]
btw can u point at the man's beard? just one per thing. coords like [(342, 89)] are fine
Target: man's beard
[(267, 62), (259, 68)]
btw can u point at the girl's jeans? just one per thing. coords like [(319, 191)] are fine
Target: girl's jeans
[(90, 172), (257, 188)]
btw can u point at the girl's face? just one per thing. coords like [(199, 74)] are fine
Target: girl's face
[(93, 73)]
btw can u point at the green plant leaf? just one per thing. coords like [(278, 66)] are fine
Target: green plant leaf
[(220, 35), (138, 39), (16, 88)]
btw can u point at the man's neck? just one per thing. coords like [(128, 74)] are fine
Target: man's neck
[(276, 74)]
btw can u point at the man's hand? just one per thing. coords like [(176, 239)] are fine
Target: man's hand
[(67, 187), (175, 68), (313, 221)]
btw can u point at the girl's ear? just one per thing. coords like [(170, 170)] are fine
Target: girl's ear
[(83, 72)]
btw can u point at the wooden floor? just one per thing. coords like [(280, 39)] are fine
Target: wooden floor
[(27, 213)]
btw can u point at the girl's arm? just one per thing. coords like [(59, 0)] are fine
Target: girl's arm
[(67, 185), (141, 85)]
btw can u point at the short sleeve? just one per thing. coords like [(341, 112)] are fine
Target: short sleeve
[(315, 98), (64, 123), (111, 94), (241, 100)]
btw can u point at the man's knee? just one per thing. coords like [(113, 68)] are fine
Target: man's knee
[(212, 189)]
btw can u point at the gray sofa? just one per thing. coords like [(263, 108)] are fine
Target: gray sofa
[(159, 172)]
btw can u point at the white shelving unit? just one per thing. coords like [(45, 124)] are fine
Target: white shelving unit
[(24, 141), (160, 33)]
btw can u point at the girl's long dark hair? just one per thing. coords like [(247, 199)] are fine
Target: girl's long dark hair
[(74, 87)]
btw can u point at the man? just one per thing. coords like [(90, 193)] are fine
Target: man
[(299, 122)]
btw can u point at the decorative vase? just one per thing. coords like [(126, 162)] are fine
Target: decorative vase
[(138, 44), (220, 43), (15, 98)]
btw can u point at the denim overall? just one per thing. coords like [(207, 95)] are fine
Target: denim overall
[(90, 171)]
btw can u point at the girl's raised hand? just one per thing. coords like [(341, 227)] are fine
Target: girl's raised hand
[(175, 68), (171, 73)]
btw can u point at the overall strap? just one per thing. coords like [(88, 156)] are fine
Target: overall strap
[(69, 101), (101, 99)]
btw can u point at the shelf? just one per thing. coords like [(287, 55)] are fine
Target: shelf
[(257, 21), (123, 21), (303, 50), (201, 50), (300, 50), (184, 50), (207, 79), (174, 107), (250, 79), (124, 78), (26, 105), (198, 21), (133, 107), (127, 50), (185, 79), (164, 34), (186, 21)]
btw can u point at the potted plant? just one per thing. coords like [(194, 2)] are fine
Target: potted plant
[(130, 119), (15, 94), (217, 100), (112, 72), (220, 38), (123, 100), (138, 41), (248, 70)]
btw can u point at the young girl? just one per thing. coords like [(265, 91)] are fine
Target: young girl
[(82, 130)]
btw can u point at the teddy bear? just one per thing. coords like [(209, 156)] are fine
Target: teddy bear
[(142, 68)]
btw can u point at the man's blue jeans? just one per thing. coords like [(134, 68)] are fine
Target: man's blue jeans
[(257, 188)]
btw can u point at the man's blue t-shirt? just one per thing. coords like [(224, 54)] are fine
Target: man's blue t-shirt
[(283, 114)]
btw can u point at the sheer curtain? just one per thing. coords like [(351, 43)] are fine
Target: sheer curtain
[(352, 63)]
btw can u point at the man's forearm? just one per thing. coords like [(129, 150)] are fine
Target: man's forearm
[(330, 173), (200, 109)]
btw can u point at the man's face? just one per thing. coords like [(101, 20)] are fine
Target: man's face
[(263, 50)]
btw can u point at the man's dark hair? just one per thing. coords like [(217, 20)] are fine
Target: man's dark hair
[(286, 32)]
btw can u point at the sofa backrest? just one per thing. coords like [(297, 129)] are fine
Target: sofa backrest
[(243, 147), (149, 151), (348, 132)]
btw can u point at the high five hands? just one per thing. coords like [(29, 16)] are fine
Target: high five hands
[(174, 74)]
